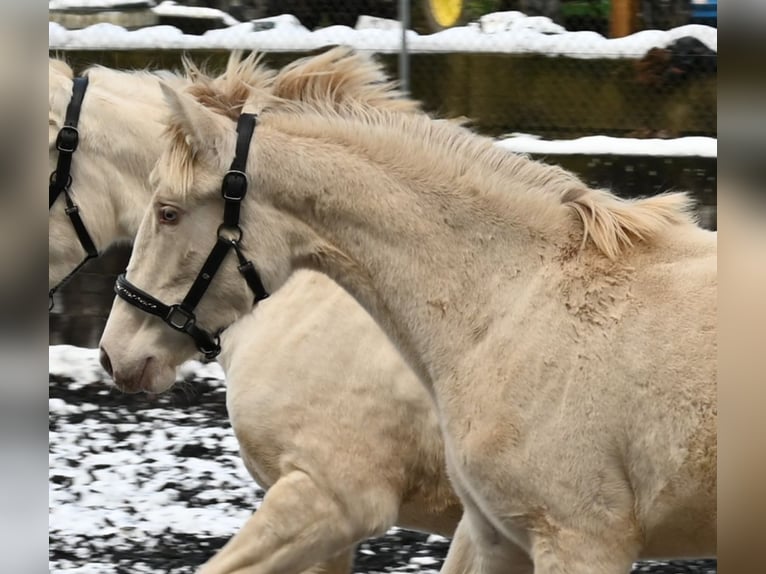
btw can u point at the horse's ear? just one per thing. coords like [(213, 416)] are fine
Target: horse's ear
[(200, 126)]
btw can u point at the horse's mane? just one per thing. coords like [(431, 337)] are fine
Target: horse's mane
[(333, 81), (353, 102), (614, 224), (338, 80), (61, 67), (454, 153)]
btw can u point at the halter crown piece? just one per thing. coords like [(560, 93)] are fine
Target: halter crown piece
[(181, 316), (61, 178)]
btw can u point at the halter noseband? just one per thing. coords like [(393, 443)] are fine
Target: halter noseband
[(61, 178), (181, 316)]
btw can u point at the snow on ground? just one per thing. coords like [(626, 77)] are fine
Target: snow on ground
[(154, 485), (506, 32)]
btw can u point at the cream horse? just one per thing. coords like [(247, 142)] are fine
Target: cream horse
[(341, 461), (568, 337)]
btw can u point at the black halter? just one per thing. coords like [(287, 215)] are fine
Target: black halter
[(181, 316), (61, 179)]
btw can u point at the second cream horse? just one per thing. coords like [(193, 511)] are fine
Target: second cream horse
[(329, 417)]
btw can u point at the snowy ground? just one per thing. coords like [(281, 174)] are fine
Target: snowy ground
[(155, 485)]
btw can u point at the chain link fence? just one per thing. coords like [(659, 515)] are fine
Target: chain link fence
[(543, 76)]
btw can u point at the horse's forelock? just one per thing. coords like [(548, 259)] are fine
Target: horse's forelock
[(177, 162)]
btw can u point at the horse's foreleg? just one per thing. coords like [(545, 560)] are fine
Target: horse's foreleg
[(571, 552), (339, 564), (476, 550), (297, 527)]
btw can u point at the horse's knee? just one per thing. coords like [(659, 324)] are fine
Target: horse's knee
[(374, 512)]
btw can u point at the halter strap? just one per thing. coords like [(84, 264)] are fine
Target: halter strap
[(181, 316), (61, 178), (67, 141)]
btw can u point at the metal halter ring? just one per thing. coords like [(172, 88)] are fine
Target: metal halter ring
[(236, 239), (52, 180), (210, 354)]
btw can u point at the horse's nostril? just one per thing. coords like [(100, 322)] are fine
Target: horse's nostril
[(105, 362)]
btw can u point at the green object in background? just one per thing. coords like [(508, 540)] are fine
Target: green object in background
[(586, 8)]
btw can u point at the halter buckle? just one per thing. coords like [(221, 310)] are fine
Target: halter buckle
[(179, 318), (68, 139), (234, 185)]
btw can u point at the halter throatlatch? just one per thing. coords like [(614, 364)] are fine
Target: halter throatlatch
[(181, 316), (61, 179)]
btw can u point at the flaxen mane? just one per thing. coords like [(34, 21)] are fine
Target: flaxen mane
[(60, 66), (340, 78), (455, 153), (614, 224), (331, 82), (333, 103)]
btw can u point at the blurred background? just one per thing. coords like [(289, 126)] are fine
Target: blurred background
[(542, 76)]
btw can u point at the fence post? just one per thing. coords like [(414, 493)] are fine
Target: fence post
[(404, 56), (622, 18)]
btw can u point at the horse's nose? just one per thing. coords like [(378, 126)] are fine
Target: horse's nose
[(103, 358)]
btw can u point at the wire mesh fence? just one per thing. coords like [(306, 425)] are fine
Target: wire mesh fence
[(642, 72)]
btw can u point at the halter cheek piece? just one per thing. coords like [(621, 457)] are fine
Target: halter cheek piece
[(61, 179), (181, 316)]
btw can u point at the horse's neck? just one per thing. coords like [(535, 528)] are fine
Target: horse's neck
[(427, 265)]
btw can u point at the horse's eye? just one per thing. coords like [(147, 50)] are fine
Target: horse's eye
[(168, 215)]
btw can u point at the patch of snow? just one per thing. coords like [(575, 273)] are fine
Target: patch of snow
[(59, 406), (75, 363), (283, 21), (605, 145), (57, 34), (83, 367), (375, 23), (170, 8), (509, 34), (197, 370), (505, 21)]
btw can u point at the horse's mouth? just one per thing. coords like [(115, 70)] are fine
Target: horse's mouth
[(143, 382)]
